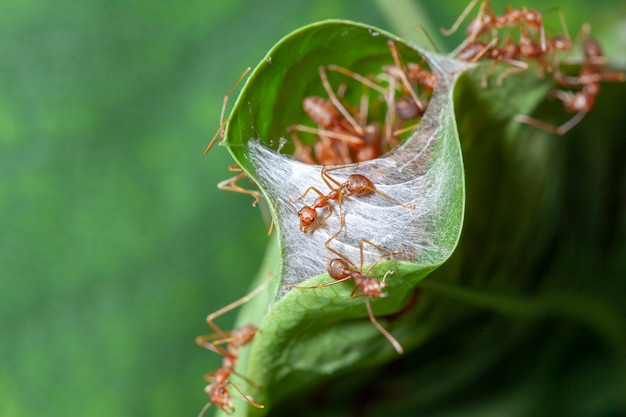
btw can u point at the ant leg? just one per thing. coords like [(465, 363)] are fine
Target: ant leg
[(565, 127), (327, 245), (459, 20), (385, 254), (231, 185), (206, 407), (563, 24), (403, 78), (245, 378), (334, 251), (269, 232), (233, 305), (328, 179), (557, 130), (396, 345), (371, 189), (306, 192), (389, 115), (245, 397), (357, 77), (388, 197), (384, 279), (580, 80), (335, 135), (518, 66), (474, 34), (484, 81), (333, 98), (421, 29), (338, 275), (240, 336), (220, 131), (342, 223), (405, 129), (321, 223), (326, 170), (326, 284), (485, 49), (208, 342), (302, 153)]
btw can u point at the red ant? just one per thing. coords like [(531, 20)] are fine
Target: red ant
[(473, 49), (486, 20), (219, 380), (356, 184), (581, 102), (476, 50), (342, 269), (527, 49)]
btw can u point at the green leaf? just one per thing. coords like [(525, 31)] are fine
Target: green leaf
[(306, 335)]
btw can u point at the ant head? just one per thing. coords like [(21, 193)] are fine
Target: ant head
[(307, 217), (221, 398), (533, 18)]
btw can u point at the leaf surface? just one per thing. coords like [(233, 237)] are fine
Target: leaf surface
[(306, 335)]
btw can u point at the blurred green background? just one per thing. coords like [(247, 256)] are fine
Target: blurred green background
[(115, 242)]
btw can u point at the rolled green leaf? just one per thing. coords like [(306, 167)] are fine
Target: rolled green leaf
[(306, 335)]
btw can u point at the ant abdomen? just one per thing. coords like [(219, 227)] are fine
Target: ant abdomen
[(338, 269), (320, 110)]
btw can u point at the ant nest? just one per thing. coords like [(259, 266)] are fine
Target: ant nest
[(417, 173)]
